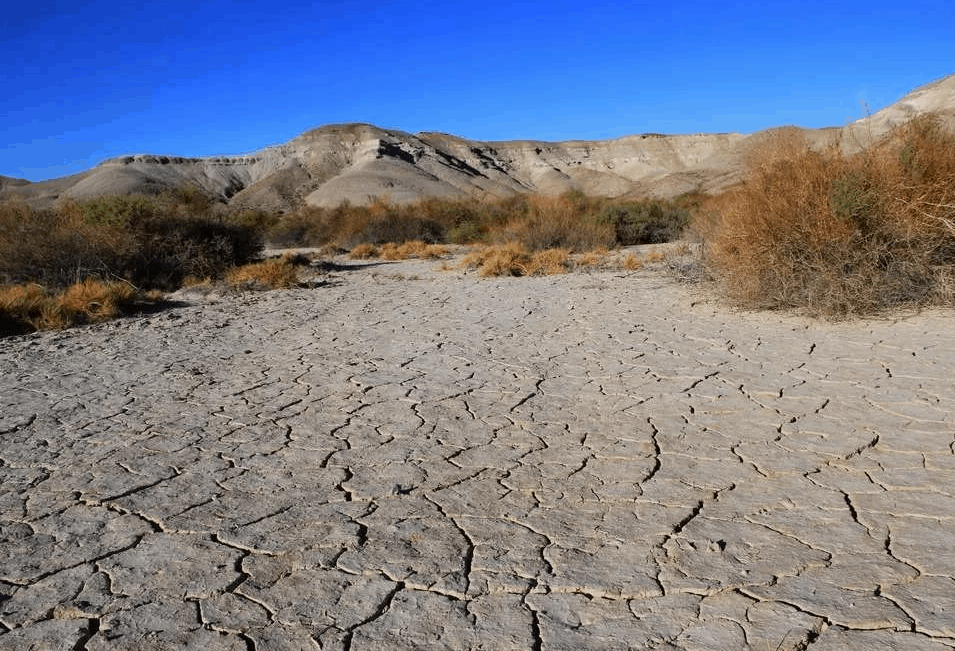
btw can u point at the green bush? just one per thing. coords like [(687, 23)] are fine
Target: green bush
[(650, 222), (855, 200), (140, 239)]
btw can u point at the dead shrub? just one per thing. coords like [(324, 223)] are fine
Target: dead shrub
[(838, 236), (434, 252), (592, 258)]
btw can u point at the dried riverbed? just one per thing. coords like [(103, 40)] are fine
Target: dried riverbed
[(400, 458)]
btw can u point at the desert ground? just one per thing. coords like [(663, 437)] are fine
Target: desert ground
[(397, 457)]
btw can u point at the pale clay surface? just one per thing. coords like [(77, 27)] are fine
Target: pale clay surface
[(409, 459)]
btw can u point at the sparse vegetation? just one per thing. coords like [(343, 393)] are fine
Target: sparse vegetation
[(146, 241), (838, 236), (572, 221), (165, 242), (107, 254)]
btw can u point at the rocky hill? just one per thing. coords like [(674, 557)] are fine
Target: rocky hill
[(358, 162)]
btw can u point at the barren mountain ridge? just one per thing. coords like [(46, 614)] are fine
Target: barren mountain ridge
[(361, 162)]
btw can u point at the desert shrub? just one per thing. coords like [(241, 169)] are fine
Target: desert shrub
[(164, 250), (407, 250), (317, 226), (120, 211), (118, 237), (513, 259), (648, 222), (834, 235), (54, 249), (592, 258), (434, 251), (557, 222), (395, 227), (276, 273), (260, 220), (389, 251), (572, 220), (465, 232)]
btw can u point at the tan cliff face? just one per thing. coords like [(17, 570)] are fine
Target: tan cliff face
[(359, 163)]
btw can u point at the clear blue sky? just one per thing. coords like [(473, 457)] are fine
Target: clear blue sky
[(87, 81)]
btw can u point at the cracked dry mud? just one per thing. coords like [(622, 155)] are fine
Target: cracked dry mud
[(592, 461)]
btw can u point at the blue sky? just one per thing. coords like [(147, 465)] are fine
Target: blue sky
[(87, 81)]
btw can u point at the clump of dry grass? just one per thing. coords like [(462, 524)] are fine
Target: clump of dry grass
[(655, 255), (592, 258), (434, 252), (277, 273), (95, 300), (631, 262), (500, 260), (548, 262), (28, 307), (404, 251), (363, 252), (835, 235), (513, 259)]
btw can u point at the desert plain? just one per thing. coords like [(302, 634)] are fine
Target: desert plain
[(399, 457)]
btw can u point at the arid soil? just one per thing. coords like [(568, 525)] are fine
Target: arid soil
[(402, 458)]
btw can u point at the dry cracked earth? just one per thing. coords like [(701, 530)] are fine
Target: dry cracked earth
[(404, 459)]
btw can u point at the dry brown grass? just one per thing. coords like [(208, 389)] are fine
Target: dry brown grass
[(96, 300), (499, 260), (29, 307), (277, 273), (548, 262), (513, 259), (411, 250), (592, 258), (839, 236), (363, 252), (631, 262), (435, 252), (656, 255)]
